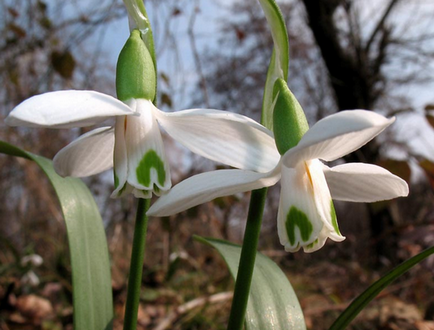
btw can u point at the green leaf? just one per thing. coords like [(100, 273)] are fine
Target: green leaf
[(91, 280), (361, 301), (279, 63), (272, 301)]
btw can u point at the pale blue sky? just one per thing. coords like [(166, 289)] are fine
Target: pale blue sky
[(179, 65)]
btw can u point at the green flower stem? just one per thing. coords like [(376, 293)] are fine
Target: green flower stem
[(247, 259), (136, 267)]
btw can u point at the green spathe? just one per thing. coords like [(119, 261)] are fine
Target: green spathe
[(297, 218), (149, 161), (279, 63), (289, 121), (135, 73), (136, 10)]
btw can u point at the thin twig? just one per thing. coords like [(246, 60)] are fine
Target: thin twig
[(380, 24), (192, 39), (185, 308)]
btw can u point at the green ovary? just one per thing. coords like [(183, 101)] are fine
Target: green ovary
[(150, 160), (298, 218)]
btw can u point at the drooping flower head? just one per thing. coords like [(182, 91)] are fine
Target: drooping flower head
[(140, 163), (306, 215), (134, 145)]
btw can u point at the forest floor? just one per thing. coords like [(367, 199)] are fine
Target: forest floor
[(189, 293)]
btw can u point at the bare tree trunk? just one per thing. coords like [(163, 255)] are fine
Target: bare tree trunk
[(356, 78)]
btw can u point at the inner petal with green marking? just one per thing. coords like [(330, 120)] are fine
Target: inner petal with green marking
[(297, 218), (116, 179), (311, 245), (150, 161)]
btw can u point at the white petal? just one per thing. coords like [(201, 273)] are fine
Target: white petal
[(298, 222), (65, 109), (207, 186), (148, 167), (305, 208), (145, 194), (224, 137), (124, 190), (337, 135), (90, 154), (319, 242), (323, 199), (120, 160), (358, 182)]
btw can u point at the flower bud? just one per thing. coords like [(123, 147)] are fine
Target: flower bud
[(135, 71), (289, 120)]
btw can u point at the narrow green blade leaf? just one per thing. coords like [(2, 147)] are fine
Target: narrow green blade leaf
[(272, 301), (365, 298), (92, 293), (279, 63)]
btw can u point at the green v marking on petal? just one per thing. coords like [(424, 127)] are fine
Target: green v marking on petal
[(311, 245), (298, 218), (150, 160), (116, 178), (334, 220)]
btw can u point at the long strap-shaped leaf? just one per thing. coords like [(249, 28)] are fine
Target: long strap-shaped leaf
[(279, 63), (361, 301), (91, 280), (272, 304)]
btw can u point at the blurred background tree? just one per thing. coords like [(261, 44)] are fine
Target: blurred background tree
[(345, 54), (45, 47)]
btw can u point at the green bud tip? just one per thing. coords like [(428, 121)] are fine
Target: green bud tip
[(289, 120), (135, 71)]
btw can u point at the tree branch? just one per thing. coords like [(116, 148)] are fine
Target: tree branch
[(196, 53), (380, 24)]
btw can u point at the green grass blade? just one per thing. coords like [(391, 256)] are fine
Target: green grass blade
[(369, 294), (91, 279), (272, 301)]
